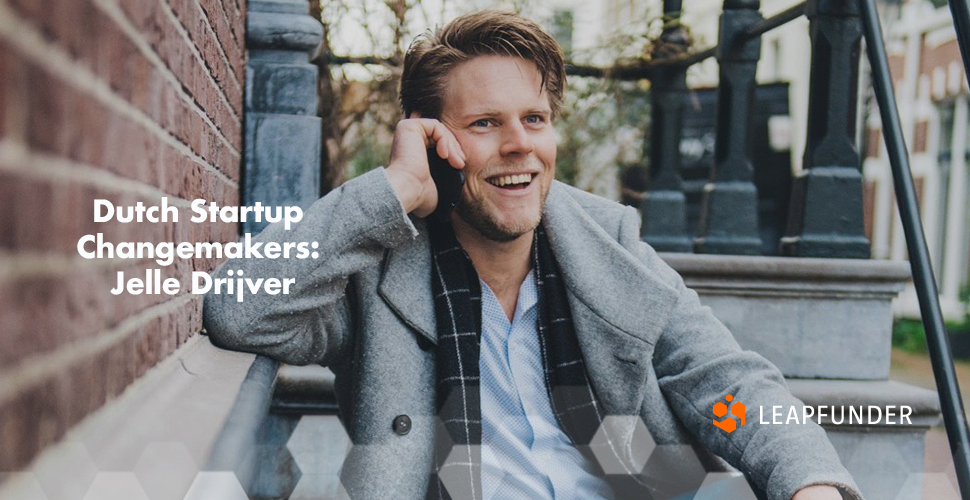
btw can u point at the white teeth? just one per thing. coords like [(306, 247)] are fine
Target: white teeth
[(511, 179)]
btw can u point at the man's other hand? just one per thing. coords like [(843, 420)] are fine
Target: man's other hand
[(408, 170), (817, 492)]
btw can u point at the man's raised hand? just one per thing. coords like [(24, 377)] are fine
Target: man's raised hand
[(408, 170)]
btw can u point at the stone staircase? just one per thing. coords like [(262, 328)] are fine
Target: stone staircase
[(827, 325)]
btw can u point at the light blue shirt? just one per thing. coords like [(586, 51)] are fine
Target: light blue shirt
[(524, 452)]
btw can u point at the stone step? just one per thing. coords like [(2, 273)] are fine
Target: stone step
[(886, 460), (813, 318)]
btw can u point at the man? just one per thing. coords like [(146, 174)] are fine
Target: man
[(532, 348)]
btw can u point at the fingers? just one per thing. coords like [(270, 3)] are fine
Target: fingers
[(452, 149), (457, 159), (442, 147), (445, 142)]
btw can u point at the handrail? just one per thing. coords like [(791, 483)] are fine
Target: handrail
[(926, 291), (762, 27), (304, 390), (233, 449), (777, 20), (627, 72)]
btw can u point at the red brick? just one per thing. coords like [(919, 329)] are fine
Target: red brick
[(153, 23), (868, 206), (42, 414), (7, 85), (873, 136), (13, 82), (21, 421), (939, 56), (26, 210), (231, 41), (66, 122), (897, 64), (43, 313), (920, 132), (46, 311), (111, 55), (40, 313)]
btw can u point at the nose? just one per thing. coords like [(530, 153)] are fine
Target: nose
[(516, 140)]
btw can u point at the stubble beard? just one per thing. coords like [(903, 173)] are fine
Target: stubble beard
[(474, 213)]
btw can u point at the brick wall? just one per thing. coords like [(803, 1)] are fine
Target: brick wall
[(938, 56), (128, 100)]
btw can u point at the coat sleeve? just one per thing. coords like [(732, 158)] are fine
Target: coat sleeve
[(353, 226), (698, 362)]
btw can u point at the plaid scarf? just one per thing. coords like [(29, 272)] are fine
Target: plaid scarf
[(457, 301)]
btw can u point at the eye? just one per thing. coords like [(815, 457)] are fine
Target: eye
[(480, 123), (535, 119)]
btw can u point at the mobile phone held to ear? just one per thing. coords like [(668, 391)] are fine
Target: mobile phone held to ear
[(449, 182)]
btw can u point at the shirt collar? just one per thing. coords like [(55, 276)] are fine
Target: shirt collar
[(528, 295)]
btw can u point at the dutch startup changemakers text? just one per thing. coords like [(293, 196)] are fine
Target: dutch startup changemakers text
[(164, 253)]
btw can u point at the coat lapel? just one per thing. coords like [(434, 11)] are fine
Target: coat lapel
[(619, 306), (406, 283)]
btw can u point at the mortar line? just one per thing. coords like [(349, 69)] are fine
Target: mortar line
[(35, 369), (14, 157), (52, 58), (114, 11)]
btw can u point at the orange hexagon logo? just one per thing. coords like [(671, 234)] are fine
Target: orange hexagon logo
[(734, 420)]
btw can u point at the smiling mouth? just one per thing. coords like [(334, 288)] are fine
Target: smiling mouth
[(511, 182)]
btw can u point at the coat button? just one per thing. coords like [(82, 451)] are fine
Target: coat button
[(402, 424)]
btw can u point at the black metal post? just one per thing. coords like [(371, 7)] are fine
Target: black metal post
[(664, 206), (960, 11), (929, 302), (826, 215), (729, 214)]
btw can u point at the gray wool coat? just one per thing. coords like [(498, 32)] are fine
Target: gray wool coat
[(657, 359)]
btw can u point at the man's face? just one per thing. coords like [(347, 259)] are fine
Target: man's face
[(501, 116)]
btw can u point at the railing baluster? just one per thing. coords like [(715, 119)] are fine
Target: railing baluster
[(826, 215), (937, 343), (729, 215), (664, 206)]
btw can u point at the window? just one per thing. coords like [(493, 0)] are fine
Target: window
[(946, 112)]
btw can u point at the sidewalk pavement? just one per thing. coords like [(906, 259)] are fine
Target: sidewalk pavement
[(915, 369)]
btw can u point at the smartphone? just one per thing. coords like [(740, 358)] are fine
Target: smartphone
[(449, 182)]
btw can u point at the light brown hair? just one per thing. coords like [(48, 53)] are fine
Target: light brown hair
[(433, 55)]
